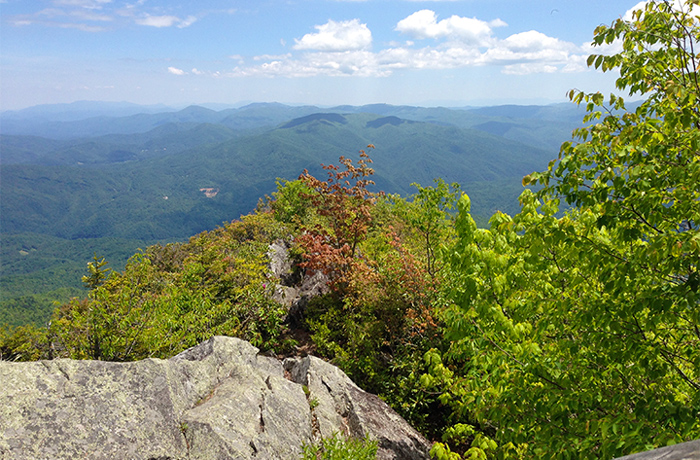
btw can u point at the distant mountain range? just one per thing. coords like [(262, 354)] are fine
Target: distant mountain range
[(534, 124), (128, 173)]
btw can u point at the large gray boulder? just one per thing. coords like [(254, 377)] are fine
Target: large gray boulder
[(684, 451), (219, 400)]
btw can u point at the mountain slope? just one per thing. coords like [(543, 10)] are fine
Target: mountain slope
[(162, 197), (182, 177)]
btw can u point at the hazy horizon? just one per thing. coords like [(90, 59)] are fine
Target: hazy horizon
[(319, 52), (218, 106)]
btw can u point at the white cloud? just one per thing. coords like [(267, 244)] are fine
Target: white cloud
[(89, 4), (678, 5), (166, 21), (188, 21), (271, 57), (66, 18), (424, 24), (471, 42), (176, 71), (337, 36), (342, 49), (532, 41), (529, 68), (342, 63), (80, 14), (158, 21), (78, 26), (91, 16)]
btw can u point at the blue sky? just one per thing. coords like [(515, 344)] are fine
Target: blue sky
[(324, 52)]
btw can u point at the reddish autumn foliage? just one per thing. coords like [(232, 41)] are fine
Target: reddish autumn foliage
[(345, 203)]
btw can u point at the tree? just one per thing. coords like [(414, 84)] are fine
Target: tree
[(344, 201), (429, 215), (579, 336), (97, 273)]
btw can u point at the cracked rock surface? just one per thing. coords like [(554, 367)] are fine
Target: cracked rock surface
[(684, 451), (218, 400)]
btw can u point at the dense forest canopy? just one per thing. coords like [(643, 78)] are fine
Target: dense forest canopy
[(559, 332), (65, 199)]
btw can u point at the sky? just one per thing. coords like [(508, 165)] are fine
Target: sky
[(321, 52)]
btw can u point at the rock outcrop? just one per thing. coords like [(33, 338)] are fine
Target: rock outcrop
[(295, 288), (684, 451), (219, 400)]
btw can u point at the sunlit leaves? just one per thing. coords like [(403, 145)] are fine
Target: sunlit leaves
[(577, 336), (172, 297)]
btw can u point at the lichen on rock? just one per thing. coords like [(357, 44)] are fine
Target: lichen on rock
[(220, 399)]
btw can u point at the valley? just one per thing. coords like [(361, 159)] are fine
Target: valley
[(111, 185)]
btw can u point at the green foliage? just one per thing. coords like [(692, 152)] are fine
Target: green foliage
[(546, 335), (97, 273), (22, 343), (290, 205), (170, 298), (38, 270), (117, 193), (428, 214), (337, 447), (34, 309), (577, 336)]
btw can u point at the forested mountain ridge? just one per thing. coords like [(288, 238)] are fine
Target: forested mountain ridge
[(152, 186), (160, 189), (529, 123)]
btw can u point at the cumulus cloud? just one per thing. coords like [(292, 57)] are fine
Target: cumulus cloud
[(532, 42), (176, 71), (343, 49), (424, 24), (337, 36), (472, 42)]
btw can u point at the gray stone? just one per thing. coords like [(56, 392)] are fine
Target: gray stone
[(281, 265), (219, 400), (342, 407), (294, 288), (684, 451)]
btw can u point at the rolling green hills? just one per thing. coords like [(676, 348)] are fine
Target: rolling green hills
[(198, 168)]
